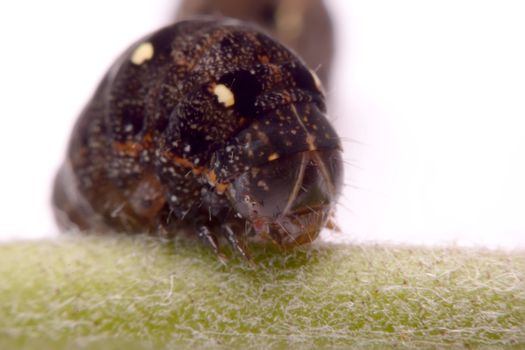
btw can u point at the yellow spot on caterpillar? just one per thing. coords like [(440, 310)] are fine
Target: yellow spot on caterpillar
[(317, 81), (142, 53), (273, 156), (224, 95)]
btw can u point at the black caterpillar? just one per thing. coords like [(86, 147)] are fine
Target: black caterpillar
[(209, 126)]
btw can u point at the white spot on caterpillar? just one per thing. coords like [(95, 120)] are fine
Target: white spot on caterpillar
[(224, 95), (142, 53), (317, 81)]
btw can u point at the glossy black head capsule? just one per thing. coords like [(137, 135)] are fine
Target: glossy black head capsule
[(284, 169), (289, 200)]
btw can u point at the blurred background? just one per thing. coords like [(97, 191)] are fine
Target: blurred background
[(428, 97)]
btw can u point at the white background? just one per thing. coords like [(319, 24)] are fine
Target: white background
[(429, 97)]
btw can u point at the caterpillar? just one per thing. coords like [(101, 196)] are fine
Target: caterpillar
[(207, 126)]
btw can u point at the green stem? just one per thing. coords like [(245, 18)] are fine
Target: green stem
[(87, 291)]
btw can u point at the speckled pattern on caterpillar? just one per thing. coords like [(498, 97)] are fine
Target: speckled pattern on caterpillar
[(208, 126)]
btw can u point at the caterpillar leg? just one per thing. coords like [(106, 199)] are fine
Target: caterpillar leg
[(237, 244), (210, 240)]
